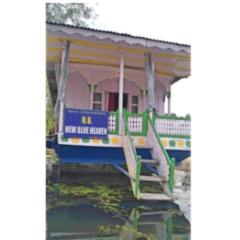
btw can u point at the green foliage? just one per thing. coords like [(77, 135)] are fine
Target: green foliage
[(50, 122), (107, 198), (188, 116), (71, 13)]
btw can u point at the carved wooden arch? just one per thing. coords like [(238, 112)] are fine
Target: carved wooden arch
[(77, 91), (159, 86), (111, 84)]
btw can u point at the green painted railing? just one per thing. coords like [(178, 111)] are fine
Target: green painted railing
[(113, 123), (171, 161), (137, 157), (137, 123), (173, 116)]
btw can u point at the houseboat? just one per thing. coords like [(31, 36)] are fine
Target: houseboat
[(109, 91)]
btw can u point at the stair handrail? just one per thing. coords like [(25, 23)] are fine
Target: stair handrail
[(170, 161), (127, 133)]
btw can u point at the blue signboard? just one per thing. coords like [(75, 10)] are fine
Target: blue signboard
[(85, 123)]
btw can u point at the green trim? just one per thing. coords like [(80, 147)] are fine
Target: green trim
[(173, 117), (171, 174), (105, 141), (173, 136), (89, 87), (116, 132), (64, 139), (188, 144), (94, 88), (137, 180), (168, 93), (172, 143), (144, 116)]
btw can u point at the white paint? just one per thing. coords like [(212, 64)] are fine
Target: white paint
[(61, 111), (120, 100), (169, 105), (165, 20), (169, 100), (91, 96)]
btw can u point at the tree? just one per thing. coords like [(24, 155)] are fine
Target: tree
[(71, 13)]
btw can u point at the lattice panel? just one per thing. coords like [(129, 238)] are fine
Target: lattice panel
[(112, 123), (135, 124), (173, 127)]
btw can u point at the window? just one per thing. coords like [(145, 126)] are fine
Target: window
[(97, 101), (97, 97), (134, 106)]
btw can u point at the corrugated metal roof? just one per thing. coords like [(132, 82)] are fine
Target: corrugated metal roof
[(116, 33)]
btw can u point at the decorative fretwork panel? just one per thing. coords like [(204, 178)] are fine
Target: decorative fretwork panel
[(179, 127), (135, 124), (113, 123)]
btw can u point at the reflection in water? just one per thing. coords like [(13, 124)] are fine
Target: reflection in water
[(139, 223)]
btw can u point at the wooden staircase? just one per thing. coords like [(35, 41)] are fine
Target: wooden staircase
[(134, 165)]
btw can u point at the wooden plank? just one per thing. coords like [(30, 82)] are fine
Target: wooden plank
[(144, 147), (63, 77), (154, 196), (150, 178), (149, 161), (120, 95)]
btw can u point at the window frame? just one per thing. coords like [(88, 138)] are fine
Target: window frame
[(97, 102), (134, 104)]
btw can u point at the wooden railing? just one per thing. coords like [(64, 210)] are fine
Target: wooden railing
[(133, 160), (171, 125), (167, 164)]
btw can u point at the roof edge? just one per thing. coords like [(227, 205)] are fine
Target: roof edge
[(118, 34)]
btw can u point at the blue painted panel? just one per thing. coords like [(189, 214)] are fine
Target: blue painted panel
[(144, 153), (179, 155), (86, 154), (85, 123)]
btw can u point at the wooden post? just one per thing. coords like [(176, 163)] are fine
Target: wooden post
[(144, 96), (63, 77), (120, 96), (149, 70), (61, 113), (91, 96), (169, 101)]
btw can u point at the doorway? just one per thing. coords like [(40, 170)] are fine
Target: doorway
[(113, 101)]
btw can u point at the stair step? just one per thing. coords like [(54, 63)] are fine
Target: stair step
[(144, 147), (155, 196), (150, 161), (150, 178)]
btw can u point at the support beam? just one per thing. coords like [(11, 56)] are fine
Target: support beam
[(149, 70), (91, 96), (63, 77), (120, 96), (52, 82), (169, 101), (143, 100)]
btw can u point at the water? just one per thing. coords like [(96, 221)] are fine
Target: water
[(102, 217)]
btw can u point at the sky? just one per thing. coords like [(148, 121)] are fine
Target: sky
[(153, 19)]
